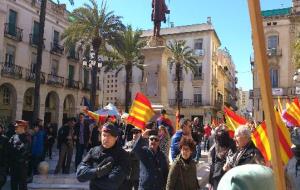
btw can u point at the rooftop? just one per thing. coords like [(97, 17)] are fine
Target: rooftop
[(277, 12)]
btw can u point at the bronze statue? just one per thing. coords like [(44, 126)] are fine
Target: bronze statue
[(159, 11)]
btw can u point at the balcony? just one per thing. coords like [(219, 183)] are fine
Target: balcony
[(197, 76), (274, 52), (56, 48), (185, 102), (34, 40), (214, 80), (55, 80), (218, 104), (70, 83), (72, 55), (11, 71), (30, 76), (13, 32), (86, 87), (199, 52)]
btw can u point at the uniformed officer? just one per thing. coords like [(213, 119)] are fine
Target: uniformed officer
[(19, 155)]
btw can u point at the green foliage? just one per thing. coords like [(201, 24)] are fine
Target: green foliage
[(296, 54), (182, 55)]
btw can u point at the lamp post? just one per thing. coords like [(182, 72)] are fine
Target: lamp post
[(94, 63), (296, 78)]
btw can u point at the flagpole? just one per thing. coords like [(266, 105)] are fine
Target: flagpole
[(265, 87)]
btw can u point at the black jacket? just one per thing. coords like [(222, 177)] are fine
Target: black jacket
[(63, 133), (3, 154), (154, 167), (19, 151), (86, 170), (86, 132)]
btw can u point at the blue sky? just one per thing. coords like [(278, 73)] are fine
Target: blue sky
[(230, 19)]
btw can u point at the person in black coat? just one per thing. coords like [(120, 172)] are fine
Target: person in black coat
[(19, 153), (82, 136), (105, 166), (51, 136), (3, 156), (223, 145), (154, 166)]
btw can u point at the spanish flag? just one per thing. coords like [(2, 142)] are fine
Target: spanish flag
[(94, 116), (233, 120), (261, 140), (140, 112)]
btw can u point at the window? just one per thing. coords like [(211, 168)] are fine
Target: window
[(85, 77), (116, 86), (54, 67), (107, 91), (273, 42), (112, 86), (274, 78), (112, 81), (71, 72), (108, 76), (198, 71), (116, 80), (198, 44), (56, 37), (33, 62), (107, 86), (107, 98), (12, 22), (6, 95), (198, 98), (116, 91), (107, 81), (35, 33), (10, 55)]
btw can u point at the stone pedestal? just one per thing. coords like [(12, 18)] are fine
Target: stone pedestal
[(156, 72)]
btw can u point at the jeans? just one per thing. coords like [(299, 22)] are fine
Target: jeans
[(79, 152), (198, 152)]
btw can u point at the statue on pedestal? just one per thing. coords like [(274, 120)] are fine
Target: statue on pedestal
[(159, 11)]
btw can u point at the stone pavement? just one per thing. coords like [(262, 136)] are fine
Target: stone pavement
[(69, 181)]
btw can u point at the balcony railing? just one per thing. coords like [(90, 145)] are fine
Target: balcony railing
[(56, 48), (30, 76), (73, 56), (185, 102), (197, 77), (72, 84), (199, 52), (34, 40), (13, 32), (86, 87), (274, 52), (55, 80), (11, 71)]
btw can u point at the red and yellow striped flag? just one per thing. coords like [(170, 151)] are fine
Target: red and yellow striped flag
[(279, 105), (98, 118), (261, 140), (233, 120), (292, 113), (177, 120), (140, 112)]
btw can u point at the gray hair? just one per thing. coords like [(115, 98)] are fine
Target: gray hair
[(244, 131)]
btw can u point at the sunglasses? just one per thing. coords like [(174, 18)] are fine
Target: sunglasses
[(154, 139)]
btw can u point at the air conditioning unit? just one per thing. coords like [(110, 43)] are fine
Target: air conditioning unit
[(199, 52)]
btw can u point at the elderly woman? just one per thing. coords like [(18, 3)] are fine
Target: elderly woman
[(246, 152), (183, 174)]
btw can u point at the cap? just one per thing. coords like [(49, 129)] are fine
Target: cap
[(163, 111), (136, 130), (21, 123), (153, 133), (111, 128)]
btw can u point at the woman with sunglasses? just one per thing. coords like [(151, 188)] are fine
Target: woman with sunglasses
[(183, 173)]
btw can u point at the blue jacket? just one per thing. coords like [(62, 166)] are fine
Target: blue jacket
[(114, 179), (154, 168), (37, 147), (175, 144)]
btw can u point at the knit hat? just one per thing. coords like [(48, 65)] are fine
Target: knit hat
[(111, 128), (248, 177)]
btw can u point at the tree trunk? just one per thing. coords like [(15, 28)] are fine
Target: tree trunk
[(128, 69), (36, 106), (178, 87), (94, 72)]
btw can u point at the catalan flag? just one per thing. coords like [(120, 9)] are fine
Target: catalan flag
[(279, 104), (261, 141), (94, 116), (140, 112), (292, 113)]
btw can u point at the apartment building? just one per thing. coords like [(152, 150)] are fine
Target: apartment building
[(282, 28), (203, 93), (65, 84)]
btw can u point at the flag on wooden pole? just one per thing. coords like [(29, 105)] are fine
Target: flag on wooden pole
[(140, 112), (261, 141), (292, 112)]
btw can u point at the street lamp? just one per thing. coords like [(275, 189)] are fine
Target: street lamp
[(296, 76), (95, 63)]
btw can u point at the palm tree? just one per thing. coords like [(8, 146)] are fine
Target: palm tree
[(126, 54), (40, 47), (182, 57), (95, 27)]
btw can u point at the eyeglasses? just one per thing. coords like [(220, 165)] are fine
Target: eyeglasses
[(154, 139)]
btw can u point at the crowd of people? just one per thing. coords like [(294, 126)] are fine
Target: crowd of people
[(113, 156)]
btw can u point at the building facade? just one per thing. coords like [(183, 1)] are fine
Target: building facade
[(282, 28), (203, 93), (64, 83)]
